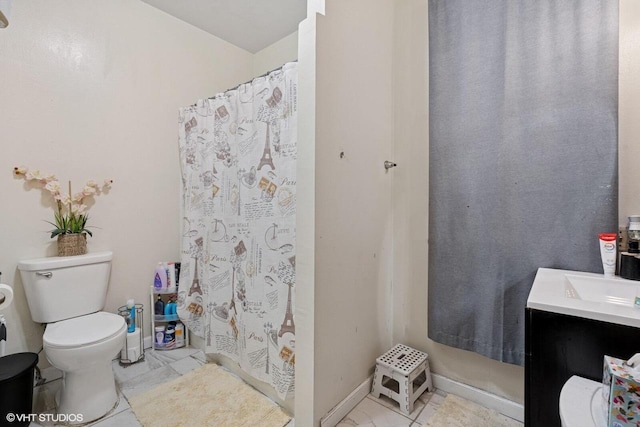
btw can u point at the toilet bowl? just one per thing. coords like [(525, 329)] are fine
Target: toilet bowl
[(82, 348), (581, 403), (68, 294)]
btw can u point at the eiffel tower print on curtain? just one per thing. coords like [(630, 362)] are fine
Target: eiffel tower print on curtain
[(287, 323), (195, 285), (266, 154)]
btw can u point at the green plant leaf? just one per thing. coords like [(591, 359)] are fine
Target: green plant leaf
[(56, 232)]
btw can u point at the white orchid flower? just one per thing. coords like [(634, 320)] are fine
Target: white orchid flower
[(47, 179), (20, 170), (70, 212), (88, 191), (53, 187), (33, 174), (78, 209)]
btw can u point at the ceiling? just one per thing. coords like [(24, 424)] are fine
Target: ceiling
[(249, 24)]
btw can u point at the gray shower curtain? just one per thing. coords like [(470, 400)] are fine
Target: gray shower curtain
[(523, 158)]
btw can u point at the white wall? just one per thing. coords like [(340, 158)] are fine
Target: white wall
[(271, 57), (90, 89), (628, 107), (304, 310), (351, 256)]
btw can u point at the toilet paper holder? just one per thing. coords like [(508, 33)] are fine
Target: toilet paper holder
[(6, 294), (133, 349)]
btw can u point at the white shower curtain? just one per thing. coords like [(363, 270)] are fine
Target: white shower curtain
[(237, 281)]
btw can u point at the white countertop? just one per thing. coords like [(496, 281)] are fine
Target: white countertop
[(587, 295)]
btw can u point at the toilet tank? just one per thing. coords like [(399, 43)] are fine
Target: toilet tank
[(60, 288)]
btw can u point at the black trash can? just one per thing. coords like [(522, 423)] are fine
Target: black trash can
[(16, 388)]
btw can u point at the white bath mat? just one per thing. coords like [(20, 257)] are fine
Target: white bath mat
[(457, 412), (207, 396)]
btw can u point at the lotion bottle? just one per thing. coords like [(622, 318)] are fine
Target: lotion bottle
[(160, 281), (171, 271), (608, 252), (168, 309), (159, 306), (179, 335)]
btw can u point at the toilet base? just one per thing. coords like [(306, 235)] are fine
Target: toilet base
[(91, 393), (581, 403)]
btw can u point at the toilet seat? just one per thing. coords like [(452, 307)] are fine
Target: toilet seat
[(83, 330), (581, 403)]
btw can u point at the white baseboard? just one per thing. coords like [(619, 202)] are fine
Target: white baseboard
[(488, 400), (504, 406), (341, 410)]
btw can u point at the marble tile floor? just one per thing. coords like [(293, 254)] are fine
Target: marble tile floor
[(162, 366), (385, 412), (157, 367)]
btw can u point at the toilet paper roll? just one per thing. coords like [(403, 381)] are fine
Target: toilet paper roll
[(6, 296), (131, 351)]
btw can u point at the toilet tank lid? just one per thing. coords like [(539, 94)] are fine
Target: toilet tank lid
[(51, 263)]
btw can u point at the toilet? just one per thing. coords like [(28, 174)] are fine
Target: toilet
[(68, 294), (582, 404)]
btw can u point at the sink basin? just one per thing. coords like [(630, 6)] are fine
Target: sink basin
[(587, 295), (602, 289)]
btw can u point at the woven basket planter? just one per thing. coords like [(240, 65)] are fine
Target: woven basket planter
[(72, 244)]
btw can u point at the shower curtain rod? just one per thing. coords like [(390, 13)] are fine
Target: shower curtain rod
[(249, 81), (261, 75)]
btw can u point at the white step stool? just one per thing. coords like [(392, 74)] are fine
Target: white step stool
[(402, 364)]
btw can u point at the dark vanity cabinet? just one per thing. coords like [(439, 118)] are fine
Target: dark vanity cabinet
[(558, 346)]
